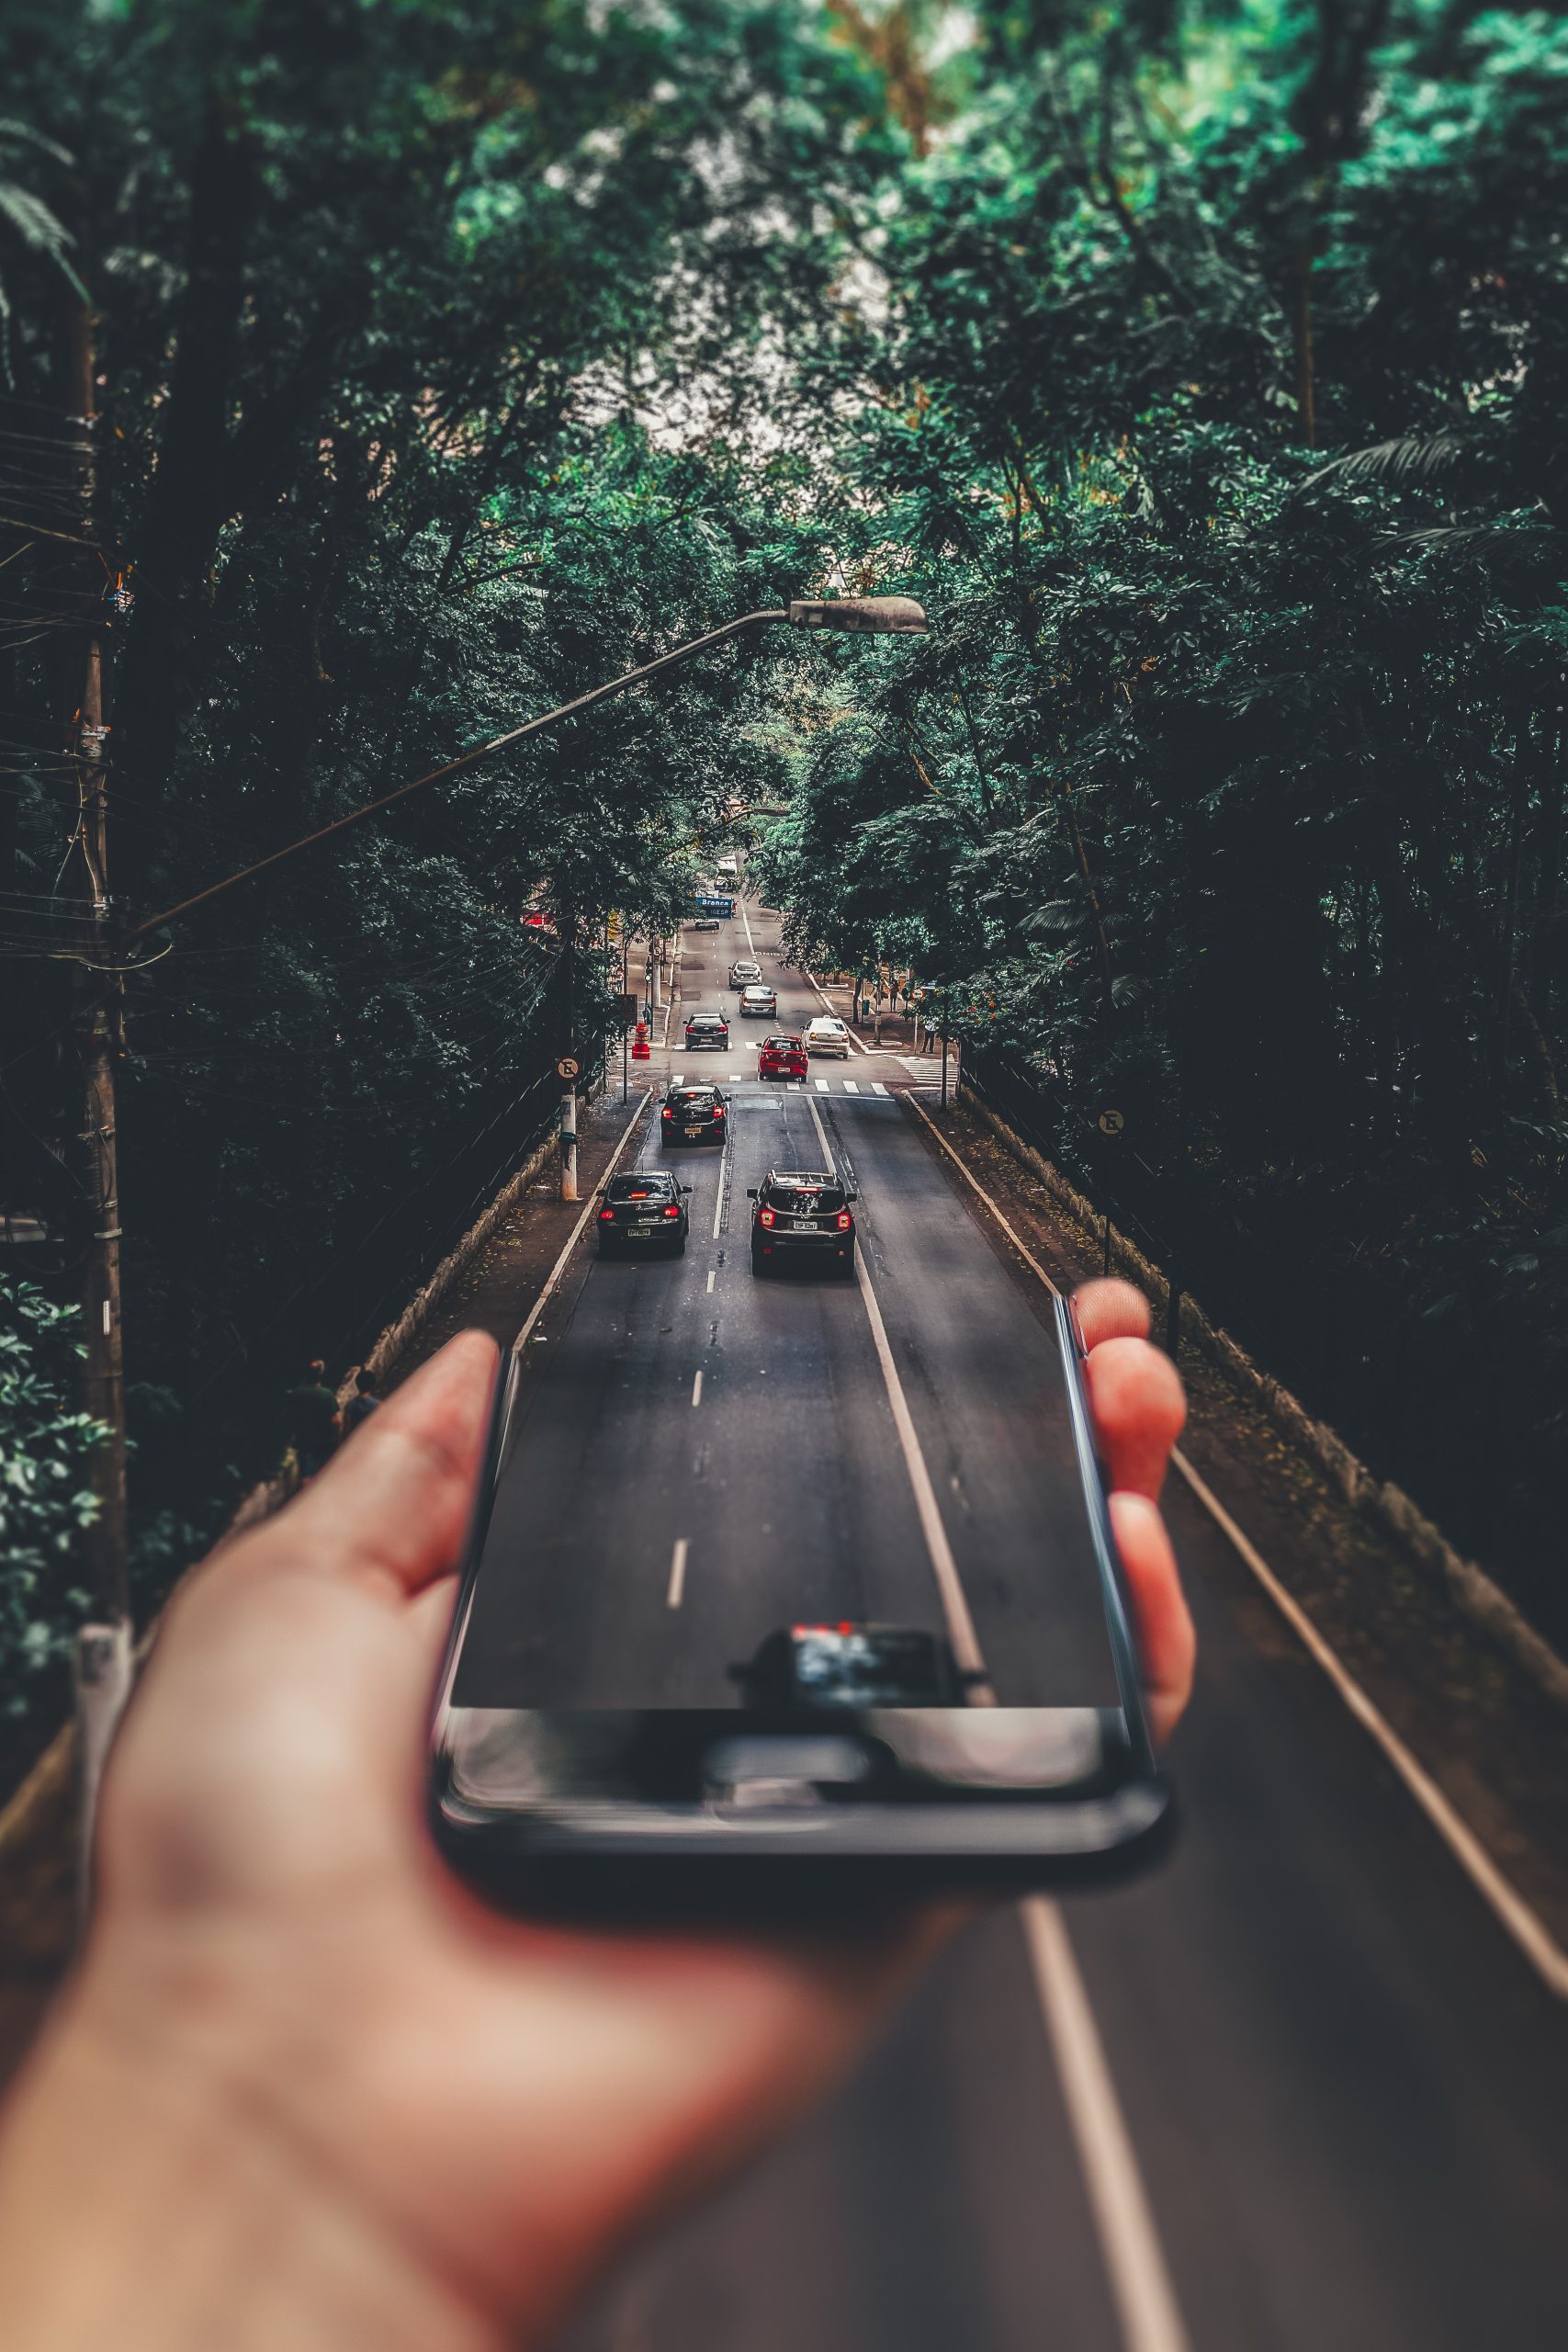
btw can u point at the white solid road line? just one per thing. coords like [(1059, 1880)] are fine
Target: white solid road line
[(559, 1267), (677, 1573), (696, 1390), (1129, 2240), (712, 1270), (719, 1203), (956, 1607), (1528, 1930), (746, 921), (1526, 1926)]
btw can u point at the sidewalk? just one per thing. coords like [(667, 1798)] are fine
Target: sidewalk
[(897, 1028)]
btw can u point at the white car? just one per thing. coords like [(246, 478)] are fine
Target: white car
[(827, 1036)]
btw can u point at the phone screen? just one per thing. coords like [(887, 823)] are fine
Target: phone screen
[(787, 1537)]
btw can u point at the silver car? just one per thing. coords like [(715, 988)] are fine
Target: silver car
[(827, 1036), (761, 1000)]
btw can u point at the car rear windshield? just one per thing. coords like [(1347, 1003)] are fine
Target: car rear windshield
[(901, 1671), (790, 1192), (706, 1021), (638, 1188), (694, 1098)]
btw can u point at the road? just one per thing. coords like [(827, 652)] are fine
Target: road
[(1311, 2096)]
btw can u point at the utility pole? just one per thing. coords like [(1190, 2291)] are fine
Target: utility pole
[(566, 1066), (103, 1655)]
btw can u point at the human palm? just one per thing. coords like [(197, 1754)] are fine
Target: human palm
[(483, 2106)]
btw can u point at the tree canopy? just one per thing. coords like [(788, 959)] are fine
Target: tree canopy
[(1202, 369)]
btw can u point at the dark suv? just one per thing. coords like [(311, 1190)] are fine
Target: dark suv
[(693, 1114), (645, 1211), (708, 1029), (802, 1217)]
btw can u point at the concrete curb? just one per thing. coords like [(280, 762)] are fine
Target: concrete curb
[(1384, 1506)]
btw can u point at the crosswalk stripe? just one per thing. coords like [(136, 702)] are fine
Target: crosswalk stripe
[(821, 1086), (877, 1087), (850, 1086)]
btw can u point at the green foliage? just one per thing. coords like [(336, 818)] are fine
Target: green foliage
[(1217, 412), (46, 1496), (426, 341), (1205, 372)]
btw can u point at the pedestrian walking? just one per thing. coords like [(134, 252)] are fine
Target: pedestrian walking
[(363, 1402), (315, 1425)]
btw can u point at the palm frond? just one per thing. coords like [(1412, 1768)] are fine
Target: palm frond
[(40, 230), (1057, 915), (1410, 458), (22, 134)]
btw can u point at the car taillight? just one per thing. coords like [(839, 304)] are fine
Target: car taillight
[(606, 1217), (718, 1110), (673, 1209), (845, 1220), (765, 1216)]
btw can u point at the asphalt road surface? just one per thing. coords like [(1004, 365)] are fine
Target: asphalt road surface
[(1298, 2091)]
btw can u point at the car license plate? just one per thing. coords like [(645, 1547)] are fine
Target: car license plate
[(803, 1224), (694, 1131), (640, 1232)]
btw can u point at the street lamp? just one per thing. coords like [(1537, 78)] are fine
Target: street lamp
[(868, 616)]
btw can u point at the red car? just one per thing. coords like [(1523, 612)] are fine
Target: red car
[(780, 1057)]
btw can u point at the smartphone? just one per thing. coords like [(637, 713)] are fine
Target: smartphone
[(836, 1760)]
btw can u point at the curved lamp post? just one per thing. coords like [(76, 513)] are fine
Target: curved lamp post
[(870, 615)]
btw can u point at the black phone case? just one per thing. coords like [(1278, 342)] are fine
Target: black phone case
[(643, 1861)]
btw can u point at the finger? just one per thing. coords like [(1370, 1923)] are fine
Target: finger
[(1166, 1638), (1135, 1396), (1111, 1310), (391, 1508)]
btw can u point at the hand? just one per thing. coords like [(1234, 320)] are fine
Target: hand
[(306, 2088)]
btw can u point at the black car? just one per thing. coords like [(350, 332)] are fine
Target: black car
[(802, 1217), (693, 1114), (708, 1029), (645, 1211), (850, 1666)]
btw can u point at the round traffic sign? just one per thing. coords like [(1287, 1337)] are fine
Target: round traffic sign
[(1112, 1123), (567, 1067)]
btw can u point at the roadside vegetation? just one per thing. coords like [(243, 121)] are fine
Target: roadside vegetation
[(1205, 374)]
